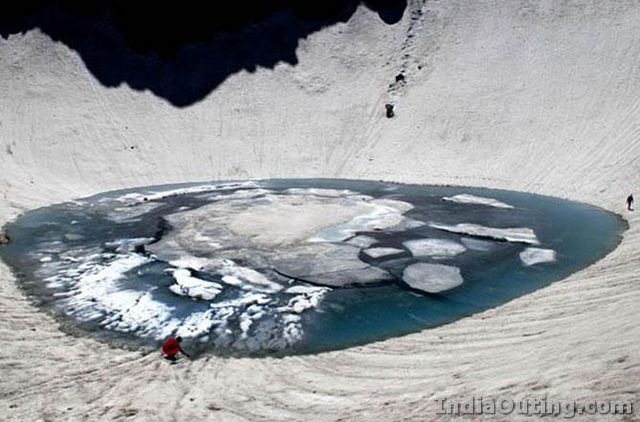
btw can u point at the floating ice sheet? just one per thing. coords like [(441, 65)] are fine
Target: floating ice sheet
[(516, 234), (329, 265), (434, 247), (432, 278)]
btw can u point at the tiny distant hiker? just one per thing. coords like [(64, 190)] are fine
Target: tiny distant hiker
[(171, 348), (630, 202)]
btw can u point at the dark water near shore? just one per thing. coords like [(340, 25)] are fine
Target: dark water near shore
[(74, 260)]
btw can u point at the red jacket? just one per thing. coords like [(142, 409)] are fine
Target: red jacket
[(171, 347)]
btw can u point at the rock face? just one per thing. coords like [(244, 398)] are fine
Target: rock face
[(432, 278), (4, 239)]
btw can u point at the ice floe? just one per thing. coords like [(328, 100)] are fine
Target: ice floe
[(516, 234), (361, 241), (477, 244), (247, 278), (477, 200), (533, 256), (432, 278), (308, 297), (332, 265), (187, 285), (434, 247), (192, 262), (376, 253)]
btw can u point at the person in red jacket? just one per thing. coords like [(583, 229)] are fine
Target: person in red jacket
[(171, 348)]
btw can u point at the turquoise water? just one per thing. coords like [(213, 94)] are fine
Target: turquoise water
[(70, 260)]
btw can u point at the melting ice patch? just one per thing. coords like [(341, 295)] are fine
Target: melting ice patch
[(478, 200), (95, 294), (533, 256), (247, 278), (264, 319), (187, 285)]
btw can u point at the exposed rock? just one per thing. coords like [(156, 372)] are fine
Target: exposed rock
[(4, 238), (390, 112)]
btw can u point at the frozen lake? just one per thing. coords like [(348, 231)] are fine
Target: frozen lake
[(277, 267)]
